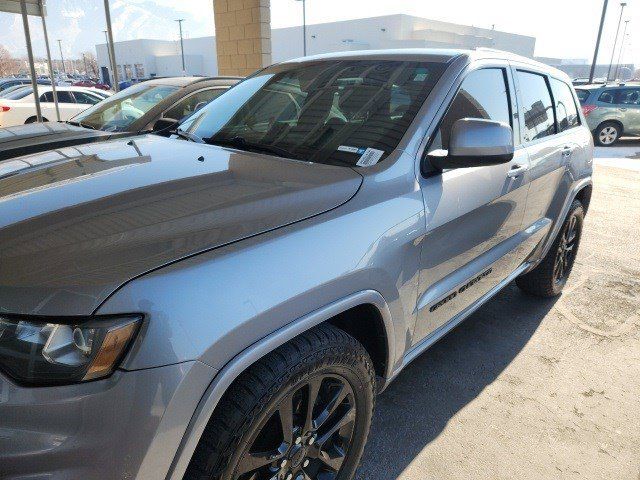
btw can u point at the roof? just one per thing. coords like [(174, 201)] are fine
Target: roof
[(443, 55), (185, 81)]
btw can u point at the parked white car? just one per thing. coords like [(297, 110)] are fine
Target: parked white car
[(19, 106)]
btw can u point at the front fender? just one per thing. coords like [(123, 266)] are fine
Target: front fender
[(252, 354)]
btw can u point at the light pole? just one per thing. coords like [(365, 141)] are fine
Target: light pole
[(86, 70), (304, 27), (64, 70), (184, 68), (615, 42), (112, 51), (595, 53), (624, 34)]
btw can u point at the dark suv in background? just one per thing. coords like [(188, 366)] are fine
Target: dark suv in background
[(611, 111)]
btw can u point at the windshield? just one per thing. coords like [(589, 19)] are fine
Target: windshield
[(19, 93), (11, 90), (119, 111), (342, 112)]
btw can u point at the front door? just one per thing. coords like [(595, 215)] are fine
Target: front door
[(474, 215)]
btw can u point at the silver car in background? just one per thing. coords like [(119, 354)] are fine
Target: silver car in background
[(226, 303)]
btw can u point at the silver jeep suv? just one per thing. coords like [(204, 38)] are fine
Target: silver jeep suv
[(226, 303)]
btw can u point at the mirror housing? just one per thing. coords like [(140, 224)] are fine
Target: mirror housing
[(475, 142), (165, 125)]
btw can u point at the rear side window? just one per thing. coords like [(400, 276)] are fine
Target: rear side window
[(537, 105), (582, 95), (566, 109), (483, 94)]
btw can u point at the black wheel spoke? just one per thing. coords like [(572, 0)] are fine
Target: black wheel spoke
[(336, 400), (313, 388), (333, 458), (253, 461), (307, 435), (339, 421), (285, 412)]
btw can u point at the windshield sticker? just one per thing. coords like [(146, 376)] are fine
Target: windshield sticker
[(370, 157), (346, 148)]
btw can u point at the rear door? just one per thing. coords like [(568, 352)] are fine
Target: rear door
[(474, 215), (549, 150), (66, 103), (627, 101)]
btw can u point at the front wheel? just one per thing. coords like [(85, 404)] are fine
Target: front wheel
[(550, 276), (301, 413)]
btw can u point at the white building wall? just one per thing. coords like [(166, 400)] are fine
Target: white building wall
[(391, 31)]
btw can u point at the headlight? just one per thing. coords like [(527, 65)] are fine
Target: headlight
[(38, 352)]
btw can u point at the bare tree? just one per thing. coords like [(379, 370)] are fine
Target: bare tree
[(92, 63), (8, 64)]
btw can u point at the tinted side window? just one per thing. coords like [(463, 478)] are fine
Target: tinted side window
[(483, 94), (538, 108), (566, 109), (628, 96), (188, 105), (46, 97)]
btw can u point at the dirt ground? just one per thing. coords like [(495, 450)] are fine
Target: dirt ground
[(529, 388)]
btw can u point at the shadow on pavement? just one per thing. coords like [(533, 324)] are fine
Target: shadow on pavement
[(428, 393)]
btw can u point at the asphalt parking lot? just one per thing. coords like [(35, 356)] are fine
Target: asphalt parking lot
[(529, 388)]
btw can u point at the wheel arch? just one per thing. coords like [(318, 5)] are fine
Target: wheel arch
[(582, 191), (613, 120), (353, 314)]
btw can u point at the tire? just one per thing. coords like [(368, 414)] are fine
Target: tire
[(247, 428), (607, 134), (550, 276), (34, 120)]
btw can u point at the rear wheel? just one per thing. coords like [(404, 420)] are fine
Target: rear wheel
[(301, 413), (550, 276), (607, 134)]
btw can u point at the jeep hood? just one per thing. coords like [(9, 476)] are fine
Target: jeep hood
[(77, 223)]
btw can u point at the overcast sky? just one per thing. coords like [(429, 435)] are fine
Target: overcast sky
[(563, 28)]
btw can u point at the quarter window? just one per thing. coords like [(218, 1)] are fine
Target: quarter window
[(82, 97), (484, 95), (539, 119), (566, 109)]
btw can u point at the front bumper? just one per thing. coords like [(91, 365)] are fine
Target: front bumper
[(128, 426)]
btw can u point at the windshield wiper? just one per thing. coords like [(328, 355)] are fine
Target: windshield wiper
[(242, 144), (188, 136), (79, 124)]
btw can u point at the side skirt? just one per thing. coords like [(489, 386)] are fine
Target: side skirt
[(425, 344)]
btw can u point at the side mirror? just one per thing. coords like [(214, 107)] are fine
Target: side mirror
[(475, 142), (165, 125)]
